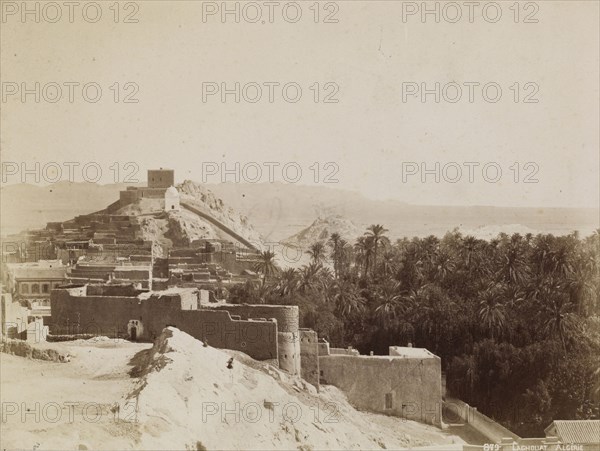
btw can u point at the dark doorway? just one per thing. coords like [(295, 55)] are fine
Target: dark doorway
[(133, 333)]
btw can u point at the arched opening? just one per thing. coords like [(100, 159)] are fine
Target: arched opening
[(135, 329)]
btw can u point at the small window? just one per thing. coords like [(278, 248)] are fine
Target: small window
[(388, 401), (24, 288), (35, 288), (321, 372)]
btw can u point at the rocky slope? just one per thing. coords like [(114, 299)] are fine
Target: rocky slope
[(180, 228), (321, 229), (200, 197)]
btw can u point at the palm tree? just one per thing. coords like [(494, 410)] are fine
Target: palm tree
[(334, 242), (343, 257), (491, 311), (390, 308), (348, 299), (433, 307), (308, 277), (442, 265), (512, 265), (266, 265), (288, 282), (558, 319), (468, 250), (365, 246), (377, 232), (388, 263), (317, 252)]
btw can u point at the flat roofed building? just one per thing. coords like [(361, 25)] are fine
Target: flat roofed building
[(34, 280), (410, 352)]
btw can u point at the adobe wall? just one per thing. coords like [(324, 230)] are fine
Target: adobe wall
[(309, 356), (127, 197), (287, 329), (414, 385), (110, 315)]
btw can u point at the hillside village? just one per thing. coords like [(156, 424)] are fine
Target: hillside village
[(157, 285)]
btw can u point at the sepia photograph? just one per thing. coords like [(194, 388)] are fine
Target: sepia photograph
[(300, 225)]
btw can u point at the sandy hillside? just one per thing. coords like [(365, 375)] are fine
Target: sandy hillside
[(179, 394), (73, 400)]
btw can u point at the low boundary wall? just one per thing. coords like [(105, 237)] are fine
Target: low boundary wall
[(455, 409)]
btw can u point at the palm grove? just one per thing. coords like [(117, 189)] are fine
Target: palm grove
[(514, 319)]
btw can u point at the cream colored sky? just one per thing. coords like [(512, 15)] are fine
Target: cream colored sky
[(369, 133)]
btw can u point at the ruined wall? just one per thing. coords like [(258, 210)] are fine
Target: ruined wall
[(287, 329), (403, 387), (102, 315), (309, 356)]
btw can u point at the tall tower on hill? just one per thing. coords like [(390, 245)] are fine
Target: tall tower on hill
[(161, 178)]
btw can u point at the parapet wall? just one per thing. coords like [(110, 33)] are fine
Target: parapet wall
[(403, 387), (287, 329), (343, 351), (111, 316), (287, 316)]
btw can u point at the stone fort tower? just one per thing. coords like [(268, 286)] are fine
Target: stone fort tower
[(161, 178)]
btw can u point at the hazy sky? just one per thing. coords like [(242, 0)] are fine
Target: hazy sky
[(362, 61)]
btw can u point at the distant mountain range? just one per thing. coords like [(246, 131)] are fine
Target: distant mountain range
[(279, 210)]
